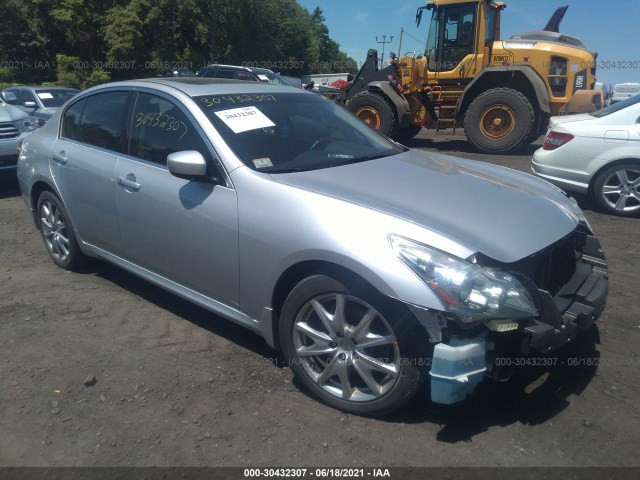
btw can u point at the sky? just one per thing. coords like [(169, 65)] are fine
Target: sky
[(609, 28)]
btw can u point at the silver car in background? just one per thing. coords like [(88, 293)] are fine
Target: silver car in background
[(38, 102), (370, 265), (15, 125)]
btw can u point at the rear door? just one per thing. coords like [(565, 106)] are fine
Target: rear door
[(186, 231), (83, 160)]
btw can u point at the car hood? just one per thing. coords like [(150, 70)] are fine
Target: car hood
[(47, 111), (504, 214), (9, 113)]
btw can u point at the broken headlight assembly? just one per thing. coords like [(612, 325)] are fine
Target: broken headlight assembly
[(472, 292)]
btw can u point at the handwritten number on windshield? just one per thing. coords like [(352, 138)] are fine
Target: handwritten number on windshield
[(236, 99)]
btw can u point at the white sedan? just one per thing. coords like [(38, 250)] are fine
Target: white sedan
[(596, 154)]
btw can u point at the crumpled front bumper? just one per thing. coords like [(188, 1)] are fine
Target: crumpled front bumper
[(576, 306)]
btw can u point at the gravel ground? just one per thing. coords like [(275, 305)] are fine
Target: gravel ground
[(177, 386)]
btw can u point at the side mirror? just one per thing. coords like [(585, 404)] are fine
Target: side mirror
[(9, 97), (188, 164), (30, 104)]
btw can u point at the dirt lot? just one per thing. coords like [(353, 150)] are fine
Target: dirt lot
[(178, 386)]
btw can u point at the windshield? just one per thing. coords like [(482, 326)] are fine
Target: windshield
[(55, 98), (616, 107), (287, 132)]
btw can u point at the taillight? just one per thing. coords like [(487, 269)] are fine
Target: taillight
[(556, 140)]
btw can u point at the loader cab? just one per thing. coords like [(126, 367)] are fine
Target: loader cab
[(451, 36), (458, 30)]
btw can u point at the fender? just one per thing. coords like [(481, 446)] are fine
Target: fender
[(400, 103), (539, 87)]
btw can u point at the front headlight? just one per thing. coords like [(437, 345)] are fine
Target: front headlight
[(470, 291), (27, 124), (31, 123)]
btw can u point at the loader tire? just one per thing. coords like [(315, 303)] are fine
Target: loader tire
[(374, 111), (499, 120), (408, 133)]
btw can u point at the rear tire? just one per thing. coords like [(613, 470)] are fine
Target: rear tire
[(57, 233), (500, 120), (352, 348), (373, 110), (617, 189)]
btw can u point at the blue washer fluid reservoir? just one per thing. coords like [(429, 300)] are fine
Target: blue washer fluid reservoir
[(456, 369)]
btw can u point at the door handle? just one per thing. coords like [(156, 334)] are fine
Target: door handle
[(129, 182), (60, 157)]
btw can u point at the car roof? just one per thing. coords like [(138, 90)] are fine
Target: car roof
[(221, 65), (42, 87), (237, 67), (197, 86), (261, 70)]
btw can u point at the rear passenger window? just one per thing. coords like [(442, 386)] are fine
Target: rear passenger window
[(98, 120), (102, 120), (71, 120), (159, 127)]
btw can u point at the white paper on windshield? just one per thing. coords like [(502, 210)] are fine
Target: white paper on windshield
[(262, 162), (262, 77), (45, 95), (244, 119)]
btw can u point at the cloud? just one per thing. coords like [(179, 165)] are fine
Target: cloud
[(362, 18)]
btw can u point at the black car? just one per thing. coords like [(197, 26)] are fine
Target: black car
[(243, 73)]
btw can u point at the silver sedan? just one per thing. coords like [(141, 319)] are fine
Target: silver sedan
[(597, 154), (370, 265)]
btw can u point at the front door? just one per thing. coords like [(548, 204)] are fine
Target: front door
[(185, 231)]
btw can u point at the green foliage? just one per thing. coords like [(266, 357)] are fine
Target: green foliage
[(72, 72), (93, 41)]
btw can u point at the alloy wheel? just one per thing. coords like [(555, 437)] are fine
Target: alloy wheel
[(346, 347), (621, 190), (54, 231)]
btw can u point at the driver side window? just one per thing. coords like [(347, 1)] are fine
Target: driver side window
[(159, 127)]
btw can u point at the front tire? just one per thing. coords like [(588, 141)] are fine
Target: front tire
[(617, 189), (351, 348), (500, 120), (57, 232), (374, 111)]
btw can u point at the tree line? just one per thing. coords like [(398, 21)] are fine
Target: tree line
[(80, 43)]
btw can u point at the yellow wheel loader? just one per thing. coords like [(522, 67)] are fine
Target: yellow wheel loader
[(501, 91)]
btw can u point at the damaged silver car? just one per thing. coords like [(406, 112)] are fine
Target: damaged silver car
[(372, 266)]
